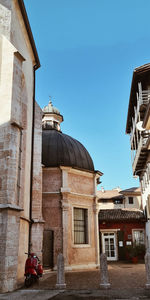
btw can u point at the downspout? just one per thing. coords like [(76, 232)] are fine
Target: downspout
[(32, 156)]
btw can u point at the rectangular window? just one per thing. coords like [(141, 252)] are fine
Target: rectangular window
[(80, 226), (130, 200), (104, 200)]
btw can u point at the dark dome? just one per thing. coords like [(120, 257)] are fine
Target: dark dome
[(61, 149)]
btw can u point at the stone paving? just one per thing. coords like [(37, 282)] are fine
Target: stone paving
[(127, 282), (121, 275)]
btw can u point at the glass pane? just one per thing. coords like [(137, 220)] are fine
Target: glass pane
[(80, 226), (112, 254), (111, 247), (106, 247)]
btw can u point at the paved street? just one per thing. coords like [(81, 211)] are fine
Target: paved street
[(127, 282)]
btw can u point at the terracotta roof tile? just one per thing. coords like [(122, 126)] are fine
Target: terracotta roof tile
[(121, 214), (136, 190), (109, 194)]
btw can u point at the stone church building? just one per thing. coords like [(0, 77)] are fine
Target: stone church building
[(48, 183), (68, 197)]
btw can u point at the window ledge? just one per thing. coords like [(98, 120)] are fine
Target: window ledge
[(81, 246)]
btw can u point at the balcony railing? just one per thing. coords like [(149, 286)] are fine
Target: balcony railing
[(143, 98), (141, 150)]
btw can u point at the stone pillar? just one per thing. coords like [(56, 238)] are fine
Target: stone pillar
[(37, 238), (96, 179), (65, 211), (104, 282), (9, 232), (147, 267), (96, 229), (60, 272), (65, 190)]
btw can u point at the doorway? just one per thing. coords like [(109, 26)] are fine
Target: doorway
[(48, 244), (109, 245)]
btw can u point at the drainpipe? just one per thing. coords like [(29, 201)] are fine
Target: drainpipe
[(32, 155)]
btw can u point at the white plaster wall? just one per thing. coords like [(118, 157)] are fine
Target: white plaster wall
[(145, 195), (136, 201)]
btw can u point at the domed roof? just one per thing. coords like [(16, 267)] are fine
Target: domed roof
[(61, 149), (50, 108)]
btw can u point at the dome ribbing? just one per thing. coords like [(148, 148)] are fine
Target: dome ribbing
[(61, 149)]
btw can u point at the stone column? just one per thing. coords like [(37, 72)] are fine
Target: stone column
[(96, 229), (65, 211), (37, 237), (147, 267), (96, 179), (65, 190), (104, 282), (60, 272), (9, 232)]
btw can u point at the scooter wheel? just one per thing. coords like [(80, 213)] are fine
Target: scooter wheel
[(28, 282)]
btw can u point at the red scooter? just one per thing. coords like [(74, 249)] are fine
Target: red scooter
[(33, 269)]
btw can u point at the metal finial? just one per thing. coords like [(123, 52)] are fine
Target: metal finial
[(50, 100)]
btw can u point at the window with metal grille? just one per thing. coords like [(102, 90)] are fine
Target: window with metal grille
[(80, 226)]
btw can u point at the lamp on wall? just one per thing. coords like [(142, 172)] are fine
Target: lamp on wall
[(135, 174), (139, 126)]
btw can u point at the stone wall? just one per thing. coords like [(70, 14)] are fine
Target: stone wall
[(81, 256), (16, 94), (37, 218), (52, 180), (9, 227), (53, 221), (63, 189), (23, 236), (74, 183)]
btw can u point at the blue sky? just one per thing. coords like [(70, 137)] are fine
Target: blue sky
[(88, 50)]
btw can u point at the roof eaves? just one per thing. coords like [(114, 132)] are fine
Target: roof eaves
[(99, 172), (28, 28), (120, 214), (134, 190)]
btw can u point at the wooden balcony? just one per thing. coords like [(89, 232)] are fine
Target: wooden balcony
[(143, 99), (141, 153)]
